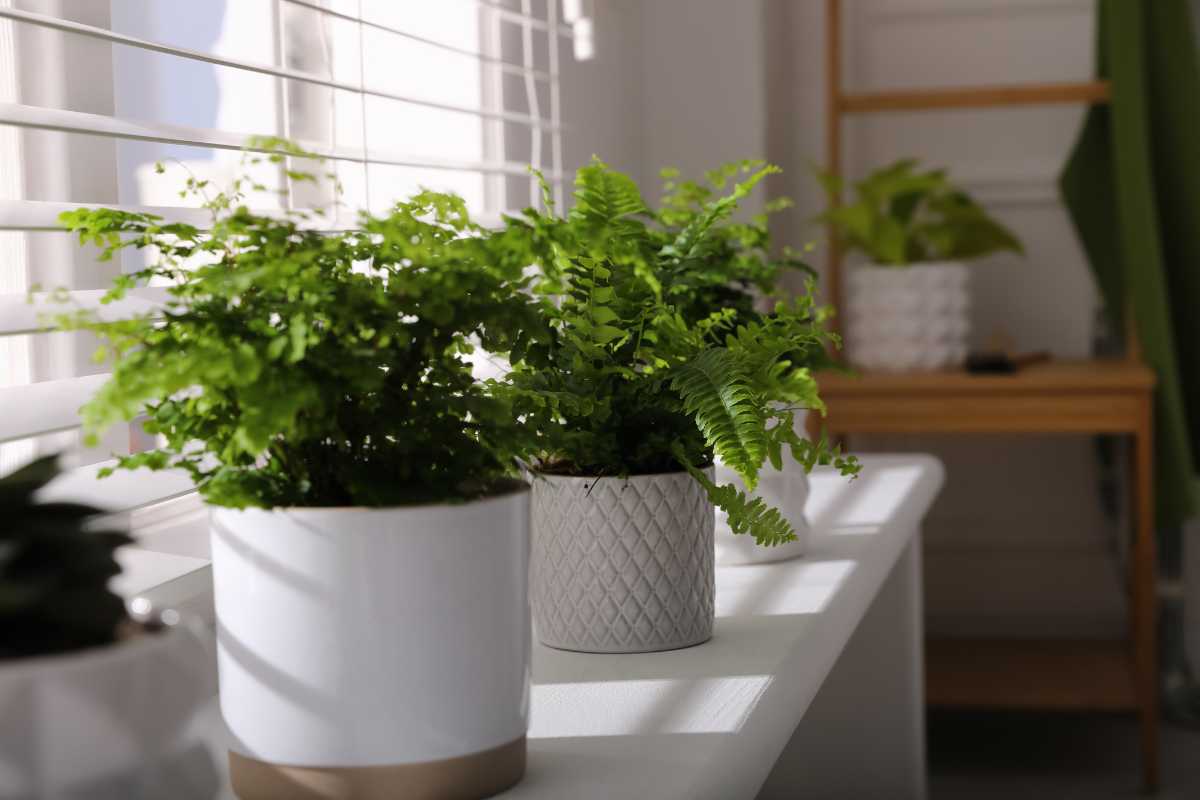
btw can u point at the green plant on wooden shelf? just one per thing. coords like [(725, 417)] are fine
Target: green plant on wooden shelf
[(629, 385), (903, 215), (295, 366), (55, 566)]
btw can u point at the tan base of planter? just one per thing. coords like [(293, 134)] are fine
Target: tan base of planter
[(469, 777)]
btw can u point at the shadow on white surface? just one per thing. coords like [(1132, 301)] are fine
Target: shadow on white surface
[(274, 677), (266, 563), (806, 587), (861, 505), (741, 646), (613, 766)]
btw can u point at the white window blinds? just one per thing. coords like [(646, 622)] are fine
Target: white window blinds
[(459, 95)]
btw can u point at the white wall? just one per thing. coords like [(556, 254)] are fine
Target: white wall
[(704, 84), (602, 98), (675, 83), (1018, 543)]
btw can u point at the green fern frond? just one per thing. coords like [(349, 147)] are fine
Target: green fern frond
[(691, 240), (603, 197), (809, 454), (715, 392), (746, 515), (547, 192)]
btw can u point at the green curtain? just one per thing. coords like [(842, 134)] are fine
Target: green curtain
[(1132, 187)]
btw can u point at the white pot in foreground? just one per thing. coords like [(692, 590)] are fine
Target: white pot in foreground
[(108, 723), (908, 318), (622, 565), (372, 652)]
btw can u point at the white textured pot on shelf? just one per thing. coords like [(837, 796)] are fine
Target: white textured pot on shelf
[(785, 489), (374, 652), (908, 318), (109, 723), (622, 565)]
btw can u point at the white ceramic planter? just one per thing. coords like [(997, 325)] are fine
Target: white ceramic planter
[(785, 489), (622, 565), (907, 319), (376, 650), (110, 723)]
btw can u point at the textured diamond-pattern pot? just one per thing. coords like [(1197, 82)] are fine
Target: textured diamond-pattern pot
[(908, 319), (622, 565)]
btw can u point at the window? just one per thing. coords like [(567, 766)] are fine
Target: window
[(449, 94)]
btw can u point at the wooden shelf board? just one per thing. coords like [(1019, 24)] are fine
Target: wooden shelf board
[(1021, 674), (1053, 376), (974, 97)]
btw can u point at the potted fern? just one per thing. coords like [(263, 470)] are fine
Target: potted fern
[(908, 308), (96, 704), (739, 269), (632, 401), (369, 527)]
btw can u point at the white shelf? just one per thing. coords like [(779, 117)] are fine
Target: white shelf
[(710, 721)]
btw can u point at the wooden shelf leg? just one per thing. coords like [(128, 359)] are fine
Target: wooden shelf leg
[(1144, 593)]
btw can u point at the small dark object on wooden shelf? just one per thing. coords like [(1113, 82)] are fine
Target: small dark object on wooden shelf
[(1003, 363)]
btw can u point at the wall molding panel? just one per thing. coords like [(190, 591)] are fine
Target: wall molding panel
[(918, 11)]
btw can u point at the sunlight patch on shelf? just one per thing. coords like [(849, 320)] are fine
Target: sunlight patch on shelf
[(763, 590), (635, 707)]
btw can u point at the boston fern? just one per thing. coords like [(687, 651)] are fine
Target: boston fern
[(292, 366), (630, 385), (737, 263)]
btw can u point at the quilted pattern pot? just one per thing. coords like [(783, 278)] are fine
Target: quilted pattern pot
[(622, 565), (908, 319)]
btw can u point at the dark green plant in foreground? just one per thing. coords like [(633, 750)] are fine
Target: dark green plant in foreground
[(901, 215), (293, 366), (54, 570), (629, 384)]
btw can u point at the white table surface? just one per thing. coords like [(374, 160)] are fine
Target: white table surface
[(710, 721)]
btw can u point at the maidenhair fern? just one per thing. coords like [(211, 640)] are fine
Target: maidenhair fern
[(294, 366)]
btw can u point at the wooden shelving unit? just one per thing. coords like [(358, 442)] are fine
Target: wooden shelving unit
[(1107, 397), (989, 674)]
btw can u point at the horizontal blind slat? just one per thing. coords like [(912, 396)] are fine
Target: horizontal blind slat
[(124, 490), (42, 215), (102, 34), (505, 66), (34, 409), (520, 18), (33, 313), (80, 122)]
